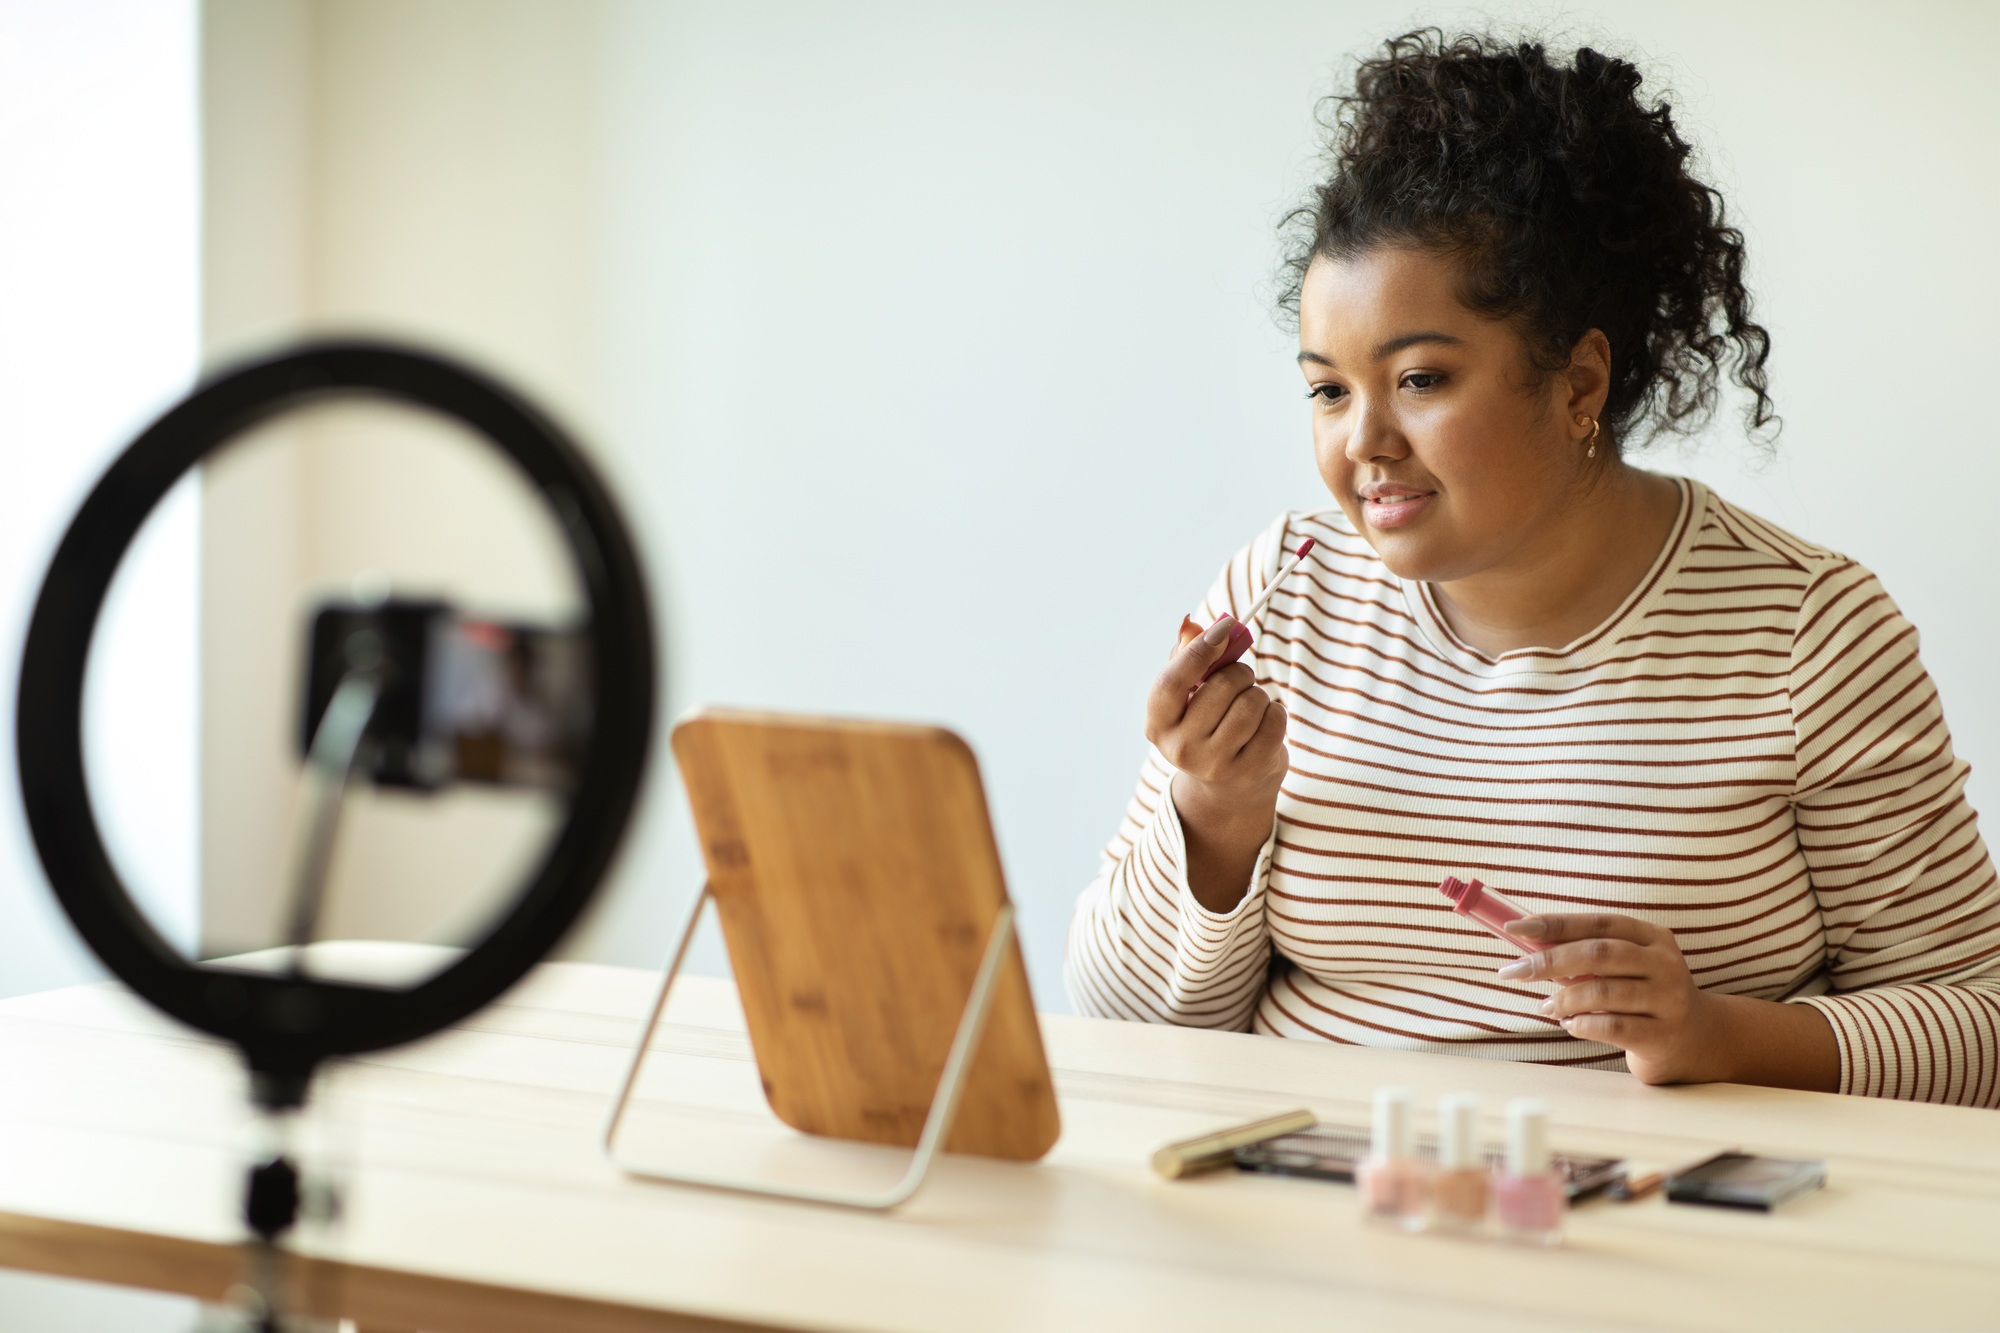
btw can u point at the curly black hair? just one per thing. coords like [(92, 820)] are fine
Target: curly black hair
[(1569, 204)]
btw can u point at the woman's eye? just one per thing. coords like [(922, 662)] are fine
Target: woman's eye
[(1326, 393), (1420, 380)]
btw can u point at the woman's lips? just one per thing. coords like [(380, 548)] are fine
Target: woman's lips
[(1395, 511)]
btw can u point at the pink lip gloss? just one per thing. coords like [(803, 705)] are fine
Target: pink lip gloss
[(1395, 1186), (1240, 637), (1529, 1195), (1476, 902)]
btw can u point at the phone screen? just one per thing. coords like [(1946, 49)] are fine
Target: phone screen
[(505, 703), (464, 698)]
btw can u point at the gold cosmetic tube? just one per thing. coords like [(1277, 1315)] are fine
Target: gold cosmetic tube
[(1212, 1152)]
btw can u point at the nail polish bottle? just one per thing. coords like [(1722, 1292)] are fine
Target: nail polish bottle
[(1529, 1195), (1395, 1186), (1463, 1184)]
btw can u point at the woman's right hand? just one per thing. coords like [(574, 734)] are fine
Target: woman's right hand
[(1227, 738)]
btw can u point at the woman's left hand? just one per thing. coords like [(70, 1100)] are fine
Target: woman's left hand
[(1622, 981)]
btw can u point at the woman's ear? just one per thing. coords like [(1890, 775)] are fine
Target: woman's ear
[(1589, 375)]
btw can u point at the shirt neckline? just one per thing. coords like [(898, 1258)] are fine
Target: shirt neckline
[(1594, 644)]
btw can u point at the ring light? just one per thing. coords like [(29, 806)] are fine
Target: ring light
[(286, 1025)]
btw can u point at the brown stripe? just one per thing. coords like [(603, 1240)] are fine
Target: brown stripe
[(1609, 830), (1651, 853), (1840, 688), (1711, 611), (1476, 704), (1707, 785), (1540, 802), (1464, 743), (1484, 686), (1477, 688), (1502, 873)]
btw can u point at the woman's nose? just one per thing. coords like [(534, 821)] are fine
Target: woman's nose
[(1373, 435)]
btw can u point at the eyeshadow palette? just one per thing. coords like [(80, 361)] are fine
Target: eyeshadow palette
[(1330, 1153)]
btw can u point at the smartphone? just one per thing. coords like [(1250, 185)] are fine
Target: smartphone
[(1742, 1180), (1331, 1154), (464, 698)]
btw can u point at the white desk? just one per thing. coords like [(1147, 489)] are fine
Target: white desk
[(479, 1201)]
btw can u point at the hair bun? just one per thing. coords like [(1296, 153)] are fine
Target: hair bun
[(1569, 199)]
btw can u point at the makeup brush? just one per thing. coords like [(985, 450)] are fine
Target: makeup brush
[(1240, 637)]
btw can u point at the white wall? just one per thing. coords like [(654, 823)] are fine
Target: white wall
[(330, 205), (930, 345), (97, 334)]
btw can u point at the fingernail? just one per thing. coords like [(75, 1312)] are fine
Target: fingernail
[(1217, 633), (1517, 969), (1548, 1006), (1527, 928)]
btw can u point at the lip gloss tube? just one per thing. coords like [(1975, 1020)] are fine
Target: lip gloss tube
[(1462, 1185), (1477, 903), (1395, 1186), (1529, 1195), (1240, 637)]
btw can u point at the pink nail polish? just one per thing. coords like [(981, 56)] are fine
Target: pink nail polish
[(1395, 1186), (1462, 1186), (1475, 902), (1529, 1196)]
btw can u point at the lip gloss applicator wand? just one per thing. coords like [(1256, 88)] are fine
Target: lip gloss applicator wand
[(1240, 637)]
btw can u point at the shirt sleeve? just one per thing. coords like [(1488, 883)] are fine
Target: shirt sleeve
[(1907, 894), (1140, 946)]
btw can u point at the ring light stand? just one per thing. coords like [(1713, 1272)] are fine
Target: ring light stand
[(287, 1024)]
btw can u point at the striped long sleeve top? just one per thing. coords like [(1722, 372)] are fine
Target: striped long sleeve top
[(1748, 752)]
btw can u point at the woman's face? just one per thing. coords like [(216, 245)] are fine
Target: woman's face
[(1431, 429)]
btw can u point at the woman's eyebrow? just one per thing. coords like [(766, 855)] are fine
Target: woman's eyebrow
[(1392, 346), (1397, 344)]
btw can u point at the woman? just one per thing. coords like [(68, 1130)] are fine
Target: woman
[(1702, 752)]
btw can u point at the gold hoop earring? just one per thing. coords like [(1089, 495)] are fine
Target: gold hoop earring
[(1591, 452)]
